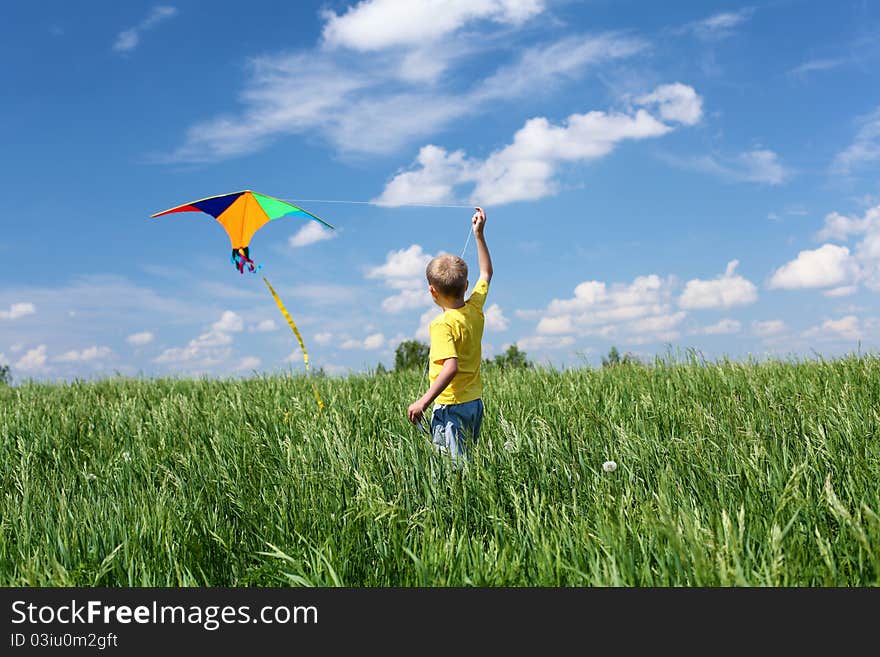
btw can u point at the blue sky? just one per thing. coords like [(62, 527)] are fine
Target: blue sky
[(689, 174)]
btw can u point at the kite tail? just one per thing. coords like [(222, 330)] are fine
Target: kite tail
[(298, 337), (240, 261)]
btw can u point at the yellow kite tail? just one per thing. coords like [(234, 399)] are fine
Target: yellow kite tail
[(298, 337)]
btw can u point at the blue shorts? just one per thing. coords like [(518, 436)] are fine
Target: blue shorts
[(456, 427)]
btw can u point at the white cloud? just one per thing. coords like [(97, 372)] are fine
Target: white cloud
[(100, 303), (311, 233), (432, 181), (846, 328), (495, 319), (265, 326), (827, 266), (843, 291), (841, 227), (285, 94), (544, 65), (406, 300), (323, 338), (556, 325), (374, 341), (140, 339), (229, 322), (719, 26), (814, 65), (126, 40), (404, 270), (129, 39), (768, 327), (838, 226), (401, 267), (586, 294), (211, 339), (423, 332), (758, 166), (248, 363), (209, 348), (529, 313), (867, 249), (762, 166), (726, 291), (90, 353), (377, 102), (722, 327), (865, 148), (656, 323), (196, 352), (34, 360), (380, 24), (675, 102), (426, 62), (18, 310), (537, 342), (638, 312), (526, 168)]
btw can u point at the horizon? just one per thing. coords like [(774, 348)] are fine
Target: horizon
[(690, 358)]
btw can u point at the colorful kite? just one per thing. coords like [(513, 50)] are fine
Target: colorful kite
[(242, 214)]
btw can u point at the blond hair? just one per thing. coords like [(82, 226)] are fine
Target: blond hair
[(448, 274)]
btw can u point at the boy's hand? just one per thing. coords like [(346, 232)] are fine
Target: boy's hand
[(416, 410), (478, 221)]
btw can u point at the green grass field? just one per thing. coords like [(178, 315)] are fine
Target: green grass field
[(759, 474)]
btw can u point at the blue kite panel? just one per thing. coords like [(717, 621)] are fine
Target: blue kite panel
[(293, 213), (217, 205)]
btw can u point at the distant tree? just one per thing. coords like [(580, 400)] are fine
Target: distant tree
[(411, 354), (614, 358), (5, 375), (513, 358), (380, 369)]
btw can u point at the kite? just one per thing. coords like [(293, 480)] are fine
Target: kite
[(242, 214)]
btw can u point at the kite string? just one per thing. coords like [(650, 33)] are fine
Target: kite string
[(466, 242), (379, 205), (402, 205)]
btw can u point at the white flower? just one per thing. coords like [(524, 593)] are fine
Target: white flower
[(609, 466)]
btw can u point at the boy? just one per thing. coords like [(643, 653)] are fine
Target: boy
[(455, 353)]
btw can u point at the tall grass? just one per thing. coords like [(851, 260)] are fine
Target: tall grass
[(730, 473)]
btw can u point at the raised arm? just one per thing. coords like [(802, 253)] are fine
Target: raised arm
[(479, 222)]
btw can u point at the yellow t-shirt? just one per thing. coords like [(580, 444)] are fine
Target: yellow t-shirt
[(457, 334)]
